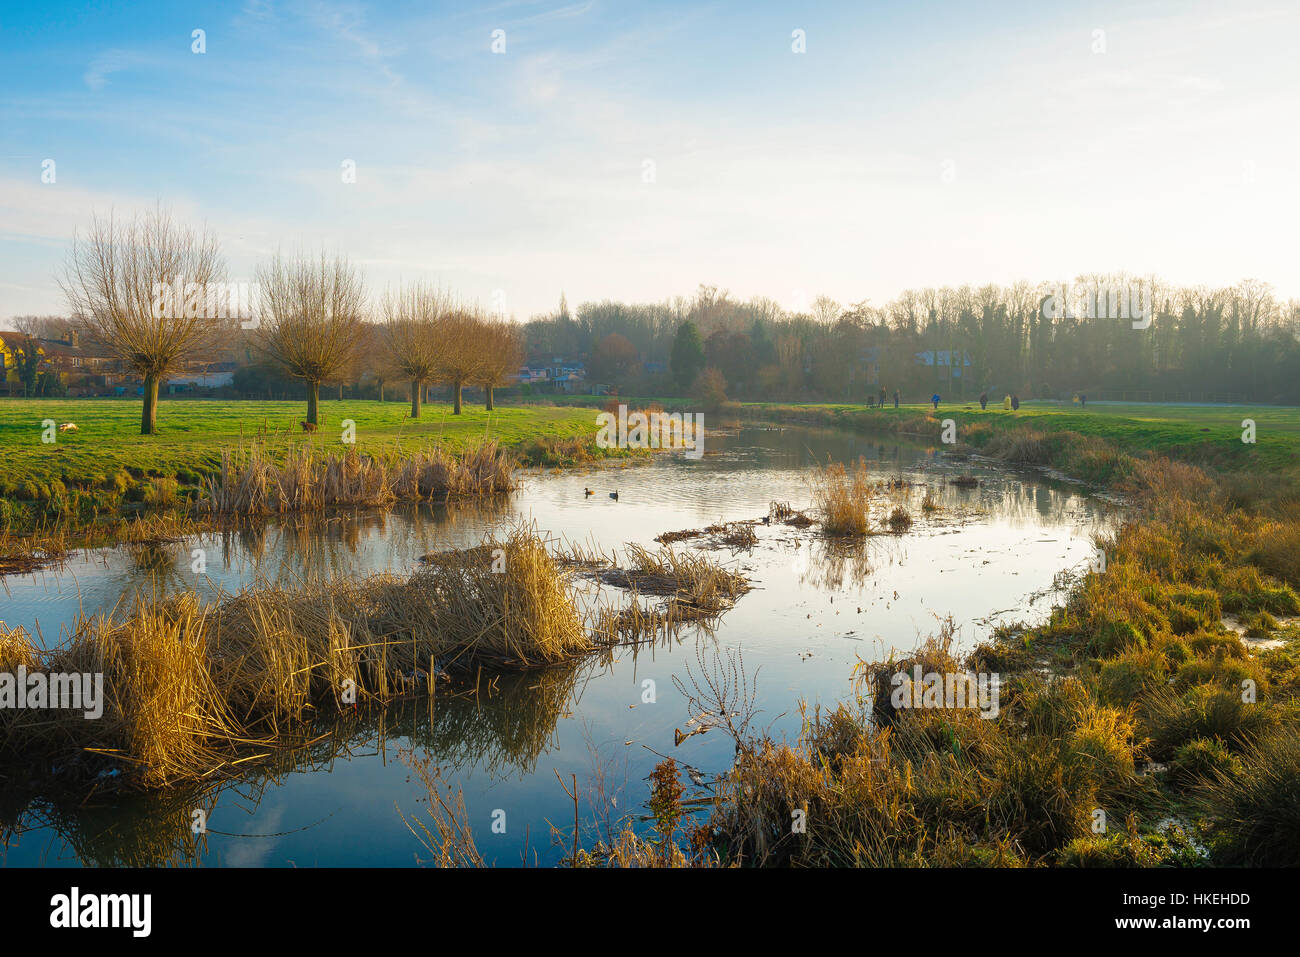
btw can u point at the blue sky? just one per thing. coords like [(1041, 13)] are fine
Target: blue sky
[(914, 144)]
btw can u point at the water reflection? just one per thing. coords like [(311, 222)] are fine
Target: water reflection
[(985, 556)]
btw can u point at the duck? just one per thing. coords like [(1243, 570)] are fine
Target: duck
[(587, 491), (614, 496)]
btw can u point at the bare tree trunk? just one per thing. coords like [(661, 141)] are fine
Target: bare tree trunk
[(313, 402), (455, 392), (149, 414), (416, 389), (381, 390), (490, 404)]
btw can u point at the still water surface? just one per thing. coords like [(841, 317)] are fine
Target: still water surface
[(992, 554)]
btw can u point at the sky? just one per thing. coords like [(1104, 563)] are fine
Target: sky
[(635, 150)]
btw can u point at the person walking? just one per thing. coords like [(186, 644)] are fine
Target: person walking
[(984, 400), (896, 397), (882, 396), (1083, 400), (1015, 402), (935, 399)]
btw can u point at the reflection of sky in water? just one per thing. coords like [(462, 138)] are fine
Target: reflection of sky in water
[(989, 555)]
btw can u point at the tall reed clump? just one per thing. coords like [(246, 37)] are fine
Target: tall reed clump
[(252, 482), (161, 715), (509, 602), (843, 498), (191, 690)]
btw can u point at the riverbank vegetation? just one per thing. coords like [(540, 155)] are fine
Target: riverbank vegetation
[(1152, 721), (193, 689), (90, 486)]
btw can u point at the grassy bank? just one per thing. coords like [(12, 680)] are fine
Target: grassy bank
[(105, 469), (1209, 436)]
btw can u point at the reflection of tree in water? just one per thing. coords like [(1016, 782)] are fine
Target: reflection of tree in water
[(308, 546), (1017, 504), (503, 730), (329, 545)]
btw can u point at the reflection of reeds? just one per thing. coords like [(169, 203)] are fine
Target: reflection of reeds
[(833, 562), (252, 482), (503, 728)]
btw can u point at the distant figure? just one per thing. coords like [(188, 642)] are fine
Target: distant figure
[(308, 426), (882, 396), (896, 398), (984, 400), (1015, 401), (1006, 402), (1083, 400), (935, 399)]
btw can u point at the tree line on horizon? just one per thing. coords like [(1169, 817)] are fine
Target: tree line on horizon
[(317, 325), (1239, 340)]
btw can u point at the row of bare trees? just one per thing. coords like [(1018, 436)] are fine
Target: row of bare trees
[(312, 318), (428, 337)]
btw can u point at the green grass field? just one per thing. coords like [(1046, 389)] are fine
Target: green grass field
[(1204, 434), (193, 433), (1209, 435)]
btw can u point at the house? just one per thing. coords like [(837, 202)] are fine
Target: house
[(948, 363), (528, 375)]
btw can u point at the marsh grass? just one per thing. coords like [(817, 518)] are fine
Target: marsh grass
[(842, 496), (253, 482), (196, 689), (1135, 666)]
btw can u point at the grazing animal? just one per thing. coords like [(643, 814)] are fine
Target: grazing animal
[(68, 427), (308, 426), (614, 496)]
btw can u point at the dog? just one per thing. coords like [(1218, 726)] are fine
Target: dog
[(308, 426), (68, 427)]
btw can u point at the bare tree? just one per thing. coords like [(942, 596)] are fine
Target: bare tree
[(311, 319), (825, 310), (461, 332), (502, 352), (112, 281), (412, 335)]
